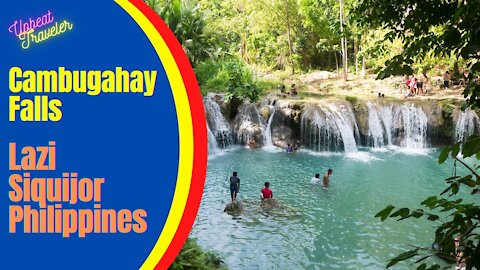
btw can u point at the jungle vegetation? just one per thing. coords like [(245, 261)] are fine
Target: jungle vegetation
[(229, 42)]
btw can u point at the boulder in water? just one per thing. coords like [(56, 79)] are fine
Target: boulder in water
[(234, 208), (268, 204)]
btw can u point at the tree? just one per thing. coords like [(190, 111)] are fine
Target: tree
[(319, 42), (343, 41), (457, 26)]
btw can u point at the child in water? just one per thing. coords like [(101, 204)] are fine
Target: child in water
[(289, 148), (315, 180)]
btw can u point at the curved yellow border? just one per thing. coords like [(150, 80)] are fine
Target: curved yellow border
[(185, 131)]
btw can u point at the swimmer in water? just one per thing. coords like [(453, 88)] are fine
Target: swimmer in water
[(251, 143), (315, 180), (267, 193), (326, 178)]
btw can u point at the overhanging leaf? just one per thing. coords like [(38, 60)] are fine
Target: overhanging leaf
[(402, 257), (443, 155), (385, 212)]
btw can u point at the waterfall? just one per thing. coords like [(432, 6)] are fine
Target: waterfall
[(386, 114), (212, 142), (467, 124), (346, 124), (218, 125), (327, 128), (268, 142), (415, 126), (405, 125), (331, 125), (375, 128)]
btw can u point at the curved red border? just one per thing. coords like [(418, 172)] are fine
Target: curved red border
[(199, 134)]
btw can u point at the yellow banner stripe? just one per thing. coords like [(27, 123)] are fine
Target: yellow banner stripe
[(185, 131)]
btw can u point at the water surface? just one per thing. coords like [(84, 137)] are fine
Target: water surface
[(317, 228)]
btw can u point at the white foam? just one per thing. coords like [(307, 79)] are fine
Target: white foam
[(379, 149), (320, 154), (223, 151), (272, 149), (361, 156), (410, 151)]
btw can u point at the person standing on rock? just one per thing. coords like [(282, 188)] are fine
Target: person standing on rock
[(234, 186)]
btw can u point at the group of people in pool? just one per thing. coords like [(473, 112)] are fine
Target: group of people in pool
[(266, 192)]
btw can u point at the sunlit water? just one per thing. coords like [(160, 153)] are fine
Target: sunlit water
[(317, 228)]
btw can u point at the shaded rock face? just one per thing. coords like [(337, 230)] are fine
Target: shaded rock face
[(440, 128), (360, 110), (249, 124), (286, 123)]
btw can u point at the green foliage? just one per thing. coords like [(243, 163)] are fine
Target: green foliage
[(264, 33), (269, 85), (239, 81), (207, 78), (447, 110), (192, 257), (351, 99), (441, 29), (231, 76)]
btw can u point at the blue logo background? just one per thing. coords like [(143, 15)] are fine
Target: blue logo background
[(129, 139)]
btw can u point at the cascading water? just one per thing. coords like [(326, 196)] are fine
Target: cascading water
[(332, 126), (375, 128), (415, 127), (212, 142), (386, 114), (268, 142), (346, 124), (218, 125), (405, 126), (467, 124), (327, 128)]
